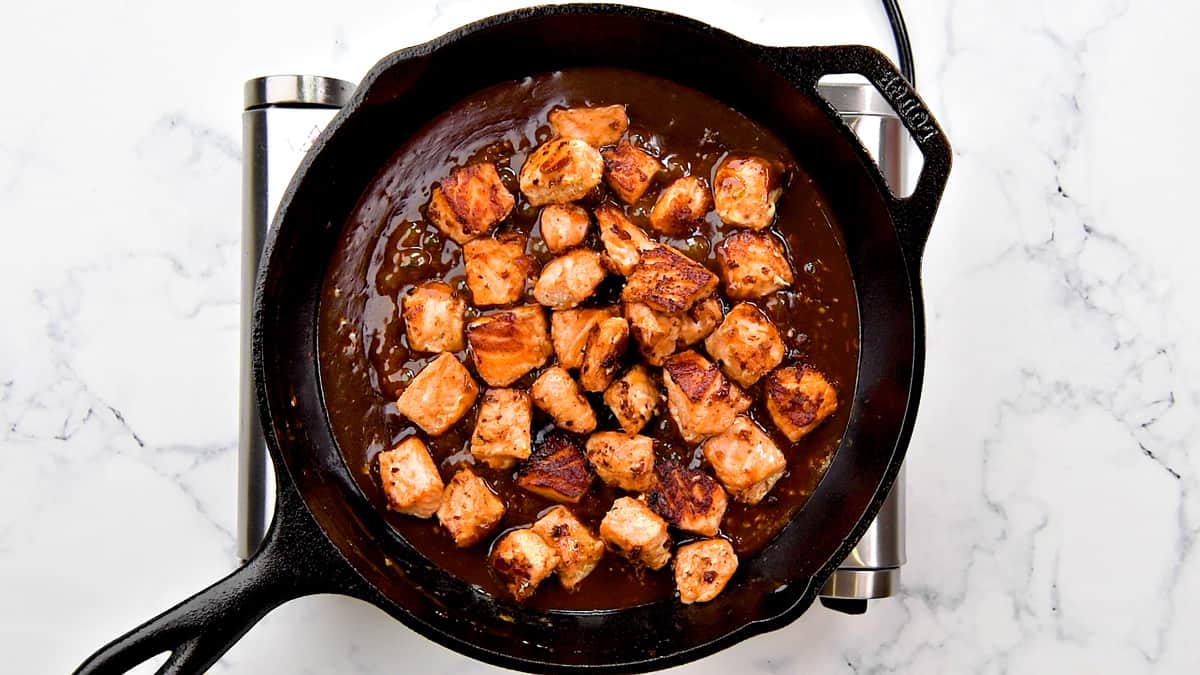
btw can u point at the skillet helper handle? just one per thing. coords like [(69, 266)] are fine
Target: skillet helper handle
[(294, 560), (913, 215)]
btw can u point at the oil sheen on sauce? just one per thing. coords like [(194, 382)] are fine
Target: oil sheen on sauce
[(387, 247)]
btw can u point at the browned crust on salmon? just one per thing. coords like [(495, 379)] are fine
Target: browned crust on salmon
[(668, 281), (684, 496), (556, 470)]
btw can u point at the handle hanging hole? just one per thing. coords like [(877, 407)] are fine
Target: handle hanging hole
[(151, 665)]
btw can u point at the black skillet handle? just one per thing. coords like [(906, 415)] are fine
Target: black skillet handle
[(294, 560), (914, 214)]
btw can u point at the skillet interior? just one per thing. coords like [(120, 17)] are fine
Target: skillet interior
[(360, 335), (401, 94)]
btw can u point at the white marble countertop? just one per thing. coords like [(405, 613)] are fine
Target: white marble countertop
[(1053, 503)]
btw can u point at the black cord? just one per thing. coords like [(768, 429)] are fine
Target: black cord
[(903, 46)]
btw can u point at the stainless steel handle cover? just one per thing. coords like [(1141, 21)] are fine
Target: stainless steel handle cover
[(283, 115), (872, 570), (296, 91)]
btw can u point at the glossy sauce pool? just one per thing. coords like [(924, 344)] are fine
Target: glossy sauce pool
[(386, 248)]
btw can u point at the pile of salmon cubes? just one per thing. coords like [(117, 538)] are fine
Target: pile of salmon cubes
[(670, 307)]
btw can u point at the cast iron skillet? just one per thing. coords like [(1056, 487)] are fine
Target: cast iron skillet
[(326, 537)]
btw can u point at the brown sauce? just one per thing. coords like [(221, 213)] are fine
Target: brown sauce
[(386, 247)]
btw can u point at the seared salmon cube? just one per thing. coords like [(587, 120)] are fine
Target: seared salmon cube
[(560, 171), (469, 510), (746, 344), (602, 354), (681, 206), (668, 281), (753, 265), (688, 499), (629, 171), (633, 398), (656, 333), (469, 202), (579, 551), (699, 321), (746, 460), (508, 344), (634, 531), (560, 397), (798, 400), (703, 568), (659, 334), (745, 189), (433, 318), (409, 478), (569, 279), (439, 395), (598, 126), (563, 226), (557, 470), (623, 241), (569, 331), (497, 269), (522, 560), (622, 460), (501, 434), (700, 400)]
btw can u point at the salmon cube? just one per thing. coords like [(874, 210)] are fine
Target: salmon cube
[(469, 510), (439, 395), (569, 331), (753, 265), (656, 333), (634, 531), (633, 398), (597, 126), (622, 460), (699, 398), (746, 344), (745, 190), (688, 499), (579, 551), (623, 241), (560, 397), (703, 568), (522, 560), (569, 279), (659, 335), (603, 353), (699, 321), (560, 171), (668, 281), (557, 470), (433, 318), (497, 269), (508, 344), (746, 460), (501, 434), (681, 206), (798, 400), (469, 202), (563, 226), (629, 171), (409, 478)]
